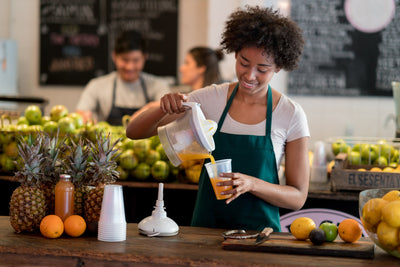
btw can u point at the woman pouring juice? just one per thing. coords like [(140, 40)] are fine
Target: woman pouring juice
[(257, 125)]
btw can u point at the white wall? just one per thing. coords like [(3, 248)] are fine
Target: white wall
[(201, 23)]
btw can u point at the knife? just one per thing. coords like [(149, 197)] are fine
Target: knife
[(264, 235)]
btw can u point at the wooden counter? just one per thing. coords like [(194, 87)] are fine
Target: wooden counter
[(193, 246)]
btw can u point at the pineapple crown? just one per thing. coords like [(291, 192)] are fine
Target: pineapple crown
[(76, 163), (31, 155), (52, 149), (104, 160)]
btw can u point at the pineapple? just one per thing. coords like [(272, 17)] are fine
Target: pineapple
[(27, 204), (102, 171), (52, 149), (76, 165)]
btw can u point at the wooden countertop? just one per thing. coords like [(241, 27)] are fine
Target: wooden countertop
[(193, 246)]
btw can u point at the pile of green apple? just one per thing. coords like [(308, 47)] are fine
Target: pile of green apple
[(145, 160), (142, 159), (381, 153)]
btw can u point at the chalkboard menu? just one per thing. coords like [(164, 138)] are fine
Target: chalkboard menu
[(77, 37), (352, 47)]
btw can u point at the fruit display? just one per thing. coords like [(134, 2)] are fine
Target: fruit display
[(304, 228), (140, 160), (373, 152), (380, 215)]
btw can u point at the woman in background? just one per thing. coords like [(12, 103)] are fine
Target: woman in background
[(201, 67)]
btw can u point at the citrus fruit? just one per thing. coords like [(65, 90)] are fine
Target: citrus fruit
[(375, 169), (388, 236), (349, 230), (330, 230), (370, 227), (74, 225), (301, 227), (50, 127), (392, 195), (33, 114), (317, 236), (66, 125), (77, 118), (51, 226), (391, 213), (372, 210)]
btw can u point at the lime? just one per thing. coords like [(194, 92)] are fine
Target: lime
[(330, 230)]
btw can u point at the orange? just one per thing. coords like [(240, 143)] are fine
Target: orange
[(74, 225), (301, 227), (375, 169), (349, 230), (392, 195), (51, 226)]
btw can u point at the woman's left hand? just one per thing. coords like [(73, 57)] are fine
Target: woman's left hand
[(241, 184)]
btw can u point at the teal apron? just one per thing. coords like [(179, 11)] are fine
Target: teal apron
[(251, 155)]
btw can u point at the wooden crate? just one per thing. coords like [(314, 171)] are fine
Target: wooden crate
[(346, 177)]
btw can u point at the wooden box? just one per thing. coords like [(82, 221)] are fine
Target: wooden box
[(346, 177)]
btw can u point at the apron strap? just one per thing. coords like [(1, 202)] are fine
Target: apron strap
[(268, 122)]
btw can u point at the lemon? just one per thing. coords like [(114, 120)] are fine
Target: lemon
[(372, 210), (391, 213), (301, 227), (392, 195), (388, 169), (375, 169), (388, 236)]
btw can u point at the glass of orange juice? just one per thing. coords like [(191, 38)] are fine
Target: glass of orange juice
[(213, 170)]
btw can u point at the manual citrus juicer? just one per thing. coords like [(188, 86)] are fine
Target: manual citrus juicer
[(189, 137)]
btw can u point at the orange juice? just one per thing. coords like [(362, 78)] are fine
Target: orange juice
[(185, 157), (64, 197), (219, 189)]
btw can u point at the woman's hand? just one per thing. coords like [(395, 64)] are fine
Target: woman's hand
[(172, 103), (241, 184)]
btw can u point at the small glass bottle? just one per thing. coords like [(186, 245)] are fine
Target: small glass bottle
[(64, 195)]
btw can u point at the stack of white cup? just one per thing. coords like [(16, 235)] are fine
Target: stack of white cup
[(112, 223)]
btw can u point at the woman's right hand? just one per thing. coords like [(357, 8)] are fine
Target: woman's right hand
[(172, 103)]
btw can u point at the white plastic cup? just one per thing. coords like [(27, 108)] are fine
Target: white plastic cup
[(213, 170), (112, 223)]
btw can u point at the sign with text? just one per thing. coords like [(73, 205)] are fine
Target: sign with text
[(352, 47), (77, 37)]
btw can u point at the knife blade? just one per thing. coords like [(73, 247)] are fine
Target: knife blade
[(264, 235)]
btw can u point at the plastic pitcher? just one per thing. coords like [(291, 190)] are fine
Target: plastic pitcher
[(189, 136)]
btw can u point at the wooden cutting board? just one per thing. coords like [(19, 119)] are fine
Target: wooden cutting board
[(286, 243)]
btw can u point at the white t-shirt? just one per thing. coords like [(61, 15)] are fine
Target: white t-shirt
[(289, 121), (98, 94)]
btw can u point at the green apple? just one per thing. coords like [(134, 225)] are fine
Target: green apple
[(340, 146), (386, 150), (77, 118), (33, 114), (50, 127), (123, 175), (66, 125), (357, 147), (57, 112), (142, 171), (128, 160), (22, 121), (381, 161), (354, 157), (45, 119), (155, 141), (127, 144), (152, 157), (160, 170), (368, 154), (330, 230), (161, 150), (141, 148)]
